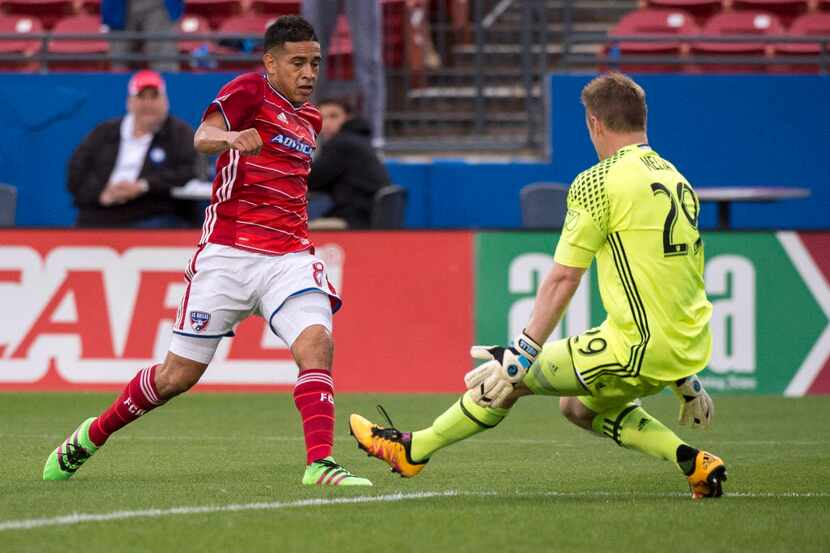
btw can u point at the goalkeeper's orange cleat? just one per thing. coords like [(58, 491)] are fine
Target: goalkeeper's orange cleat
[(387, 444), (706, 479)]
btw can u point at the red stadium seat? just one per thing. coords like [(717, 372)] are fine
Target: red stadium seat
[(415, 35), (339, 61), (88, 24), (196, 25), (749, 23), (786, 10), (215, 11), (394, 18), (673, 23), (23, 25), (253, 24), (91, 6), (192, 24), (811, 24), (702, 10), (48, 11), (248, 23), (277, 7)]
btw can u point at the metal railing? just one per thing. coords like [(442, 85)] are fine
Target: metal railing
[(467, 99)]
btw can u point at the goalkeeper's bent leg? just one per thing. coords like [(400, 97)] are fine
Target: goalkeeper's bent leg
[(463, 419), (553, 373), (632, 427)]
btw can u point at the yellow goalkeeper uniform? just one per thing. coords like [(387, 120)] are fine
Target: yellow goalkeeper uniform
[(638, 216)]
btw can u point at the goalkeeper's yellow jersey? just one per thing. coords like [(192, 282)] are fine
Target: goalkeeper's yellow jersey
[(638, 215)]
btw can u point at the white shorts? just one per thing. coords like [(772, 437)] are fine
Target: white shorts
[(226, 285)]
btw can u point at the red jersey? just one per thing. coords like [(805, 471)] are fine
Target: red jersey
[(259, 202)]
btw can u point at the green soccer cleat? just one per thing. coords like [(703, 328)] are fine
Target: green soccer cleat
[(326, 472), (71, 454)]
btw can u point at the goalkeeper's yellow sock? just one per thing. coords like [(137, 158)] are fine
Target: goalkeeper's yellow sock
[(631, 426), (464, 419)]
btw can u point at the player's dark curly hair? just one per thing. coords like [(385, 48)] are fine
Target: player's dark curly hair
[(289, 28)]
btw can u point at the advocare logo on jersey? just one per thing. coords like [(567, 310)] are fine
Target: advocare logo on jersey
[(294, 143)]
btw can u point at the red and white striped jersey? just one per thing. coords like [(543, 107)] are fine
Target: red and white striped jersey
[(259, 202)]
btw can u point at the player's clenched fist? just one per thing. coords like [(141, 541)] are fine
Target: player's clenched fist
[(247, 142)]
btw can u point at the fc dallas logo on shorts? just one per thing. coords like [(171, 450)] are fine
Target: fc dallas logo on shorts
[(199, 320)]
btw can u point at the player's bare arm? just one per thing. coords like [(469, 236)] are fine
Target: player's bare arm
[(212, 137), (552, 299), (498, 382)]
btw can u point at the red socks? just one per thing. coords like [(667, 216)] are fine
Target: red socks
[(139, 397), (314, 398)]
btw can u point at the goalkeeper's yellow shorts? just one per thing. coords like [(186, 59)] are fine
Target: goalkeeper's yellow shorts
[(585, 366)]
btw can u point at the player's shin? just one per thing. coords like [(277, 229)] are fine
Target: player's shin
[(314, 399), (463, 419), (632, 427), (139, 397)]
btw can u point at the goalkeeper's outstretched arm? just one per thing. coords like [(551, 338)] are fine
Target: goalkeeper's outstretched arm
[(493, 383)]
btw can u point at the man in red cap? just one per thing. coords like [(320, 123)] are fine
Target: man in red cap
[(122, 173)]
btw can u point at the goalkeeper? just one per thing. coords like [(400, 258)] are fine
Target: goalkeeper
[(638, 216)]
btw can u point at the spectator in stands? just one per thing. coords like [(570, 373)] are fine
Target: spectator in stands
[(346, 172), (149, 16), (366, 24), (122, 173)]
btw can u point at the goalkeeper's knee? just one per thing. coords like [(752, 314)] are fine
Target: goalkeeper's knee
[(576, 412)]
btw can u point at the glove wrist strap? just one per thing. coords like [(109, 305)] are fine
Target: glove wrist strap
[(527, 346)]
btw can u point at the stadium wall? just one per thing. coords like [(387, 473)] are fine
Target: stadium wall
[(82, 313), (751, 130)]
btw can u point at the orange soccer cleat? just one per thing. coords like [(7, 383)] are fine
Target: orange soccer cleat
[(387, 444), (705, 480)]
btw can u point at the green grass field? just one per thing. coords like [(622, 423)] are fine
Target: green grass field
[(533, 484)]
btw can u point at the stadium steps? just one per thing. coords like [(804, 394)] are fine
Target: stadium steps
[(441, 105)]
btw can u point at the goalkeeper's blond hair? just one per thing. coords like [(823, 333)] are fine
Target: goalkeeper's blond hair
[(617, 101)]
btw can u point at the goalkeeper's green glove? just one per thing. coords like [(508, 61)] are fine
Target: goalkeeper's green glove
[(696, 407), (492, 382)]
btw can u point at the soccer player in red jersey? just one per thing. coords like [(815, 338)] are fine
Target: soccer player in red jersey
[(254, 256)]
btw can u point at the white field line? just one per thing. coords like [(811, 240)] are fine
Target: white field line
[(346, 438), (81, 518)]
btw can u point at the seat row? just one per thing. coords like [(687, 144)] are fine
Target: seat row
[(703, 10), (205, 54), (50, 12), (686, 37)]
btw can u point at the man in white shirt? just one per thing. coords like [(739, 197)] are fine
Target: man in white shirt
[(122, 173)]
